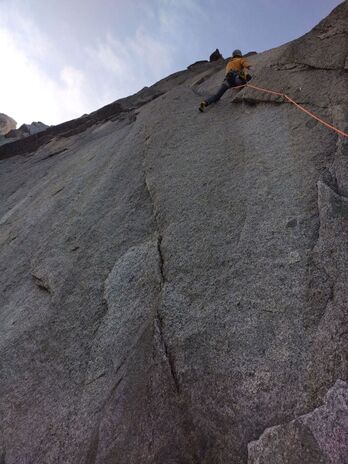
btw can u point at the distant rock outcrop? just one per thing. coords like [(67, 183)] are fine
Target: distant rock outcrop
[(175, 284), (27, 129), (215, 56), (6, 124)]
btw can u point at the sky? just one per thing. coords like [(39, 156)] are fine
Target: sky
[(61, 59)]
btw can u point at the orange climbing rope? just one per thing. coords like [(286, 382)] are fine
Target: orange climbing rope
[(338, 131)]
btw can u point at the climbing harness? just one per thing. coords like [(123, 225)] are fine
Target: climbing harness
[(280, 94)]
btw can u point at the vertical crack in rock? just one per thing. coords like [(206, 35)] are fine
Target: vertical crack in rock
[(161, 259), (316, 267), (93, 448), (100, 317), (97, 323), (158, 322)]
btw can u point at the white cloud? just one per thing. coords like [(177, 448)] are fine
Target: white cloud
[(174, 14), (129, 64), (155, 54), (38, 82), (27, 93), (111, 56), (72, 93), (23, 31), (128, 59)]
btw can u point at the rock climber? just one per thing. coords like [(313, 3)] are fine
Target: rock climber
[(236, 73)]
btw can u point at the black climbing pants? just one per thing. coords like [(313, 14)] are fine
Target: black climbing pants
[(216, 97), (231, 80)]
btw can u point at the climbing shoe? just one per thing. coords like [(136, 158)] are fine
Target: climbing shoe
[(202, 106)]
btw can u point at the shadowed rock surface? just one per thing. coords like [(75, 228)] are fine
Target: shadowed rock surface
[(174, 283), (318, 437), (11, 134)]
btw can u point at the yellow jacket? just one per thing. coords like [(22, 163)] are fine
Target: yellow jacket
[(238, 64)]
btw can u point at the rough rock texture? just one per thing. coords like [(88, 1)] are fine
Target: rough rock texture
[(174, 283), (318, 437), (6, 124)]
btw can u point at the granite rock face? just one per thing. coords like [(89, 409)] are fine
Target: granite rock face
[(318, 437), (175, 283), (6, 124)]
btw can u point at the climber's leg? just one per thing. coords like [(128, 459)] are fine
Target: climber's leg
[(216, 97)]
